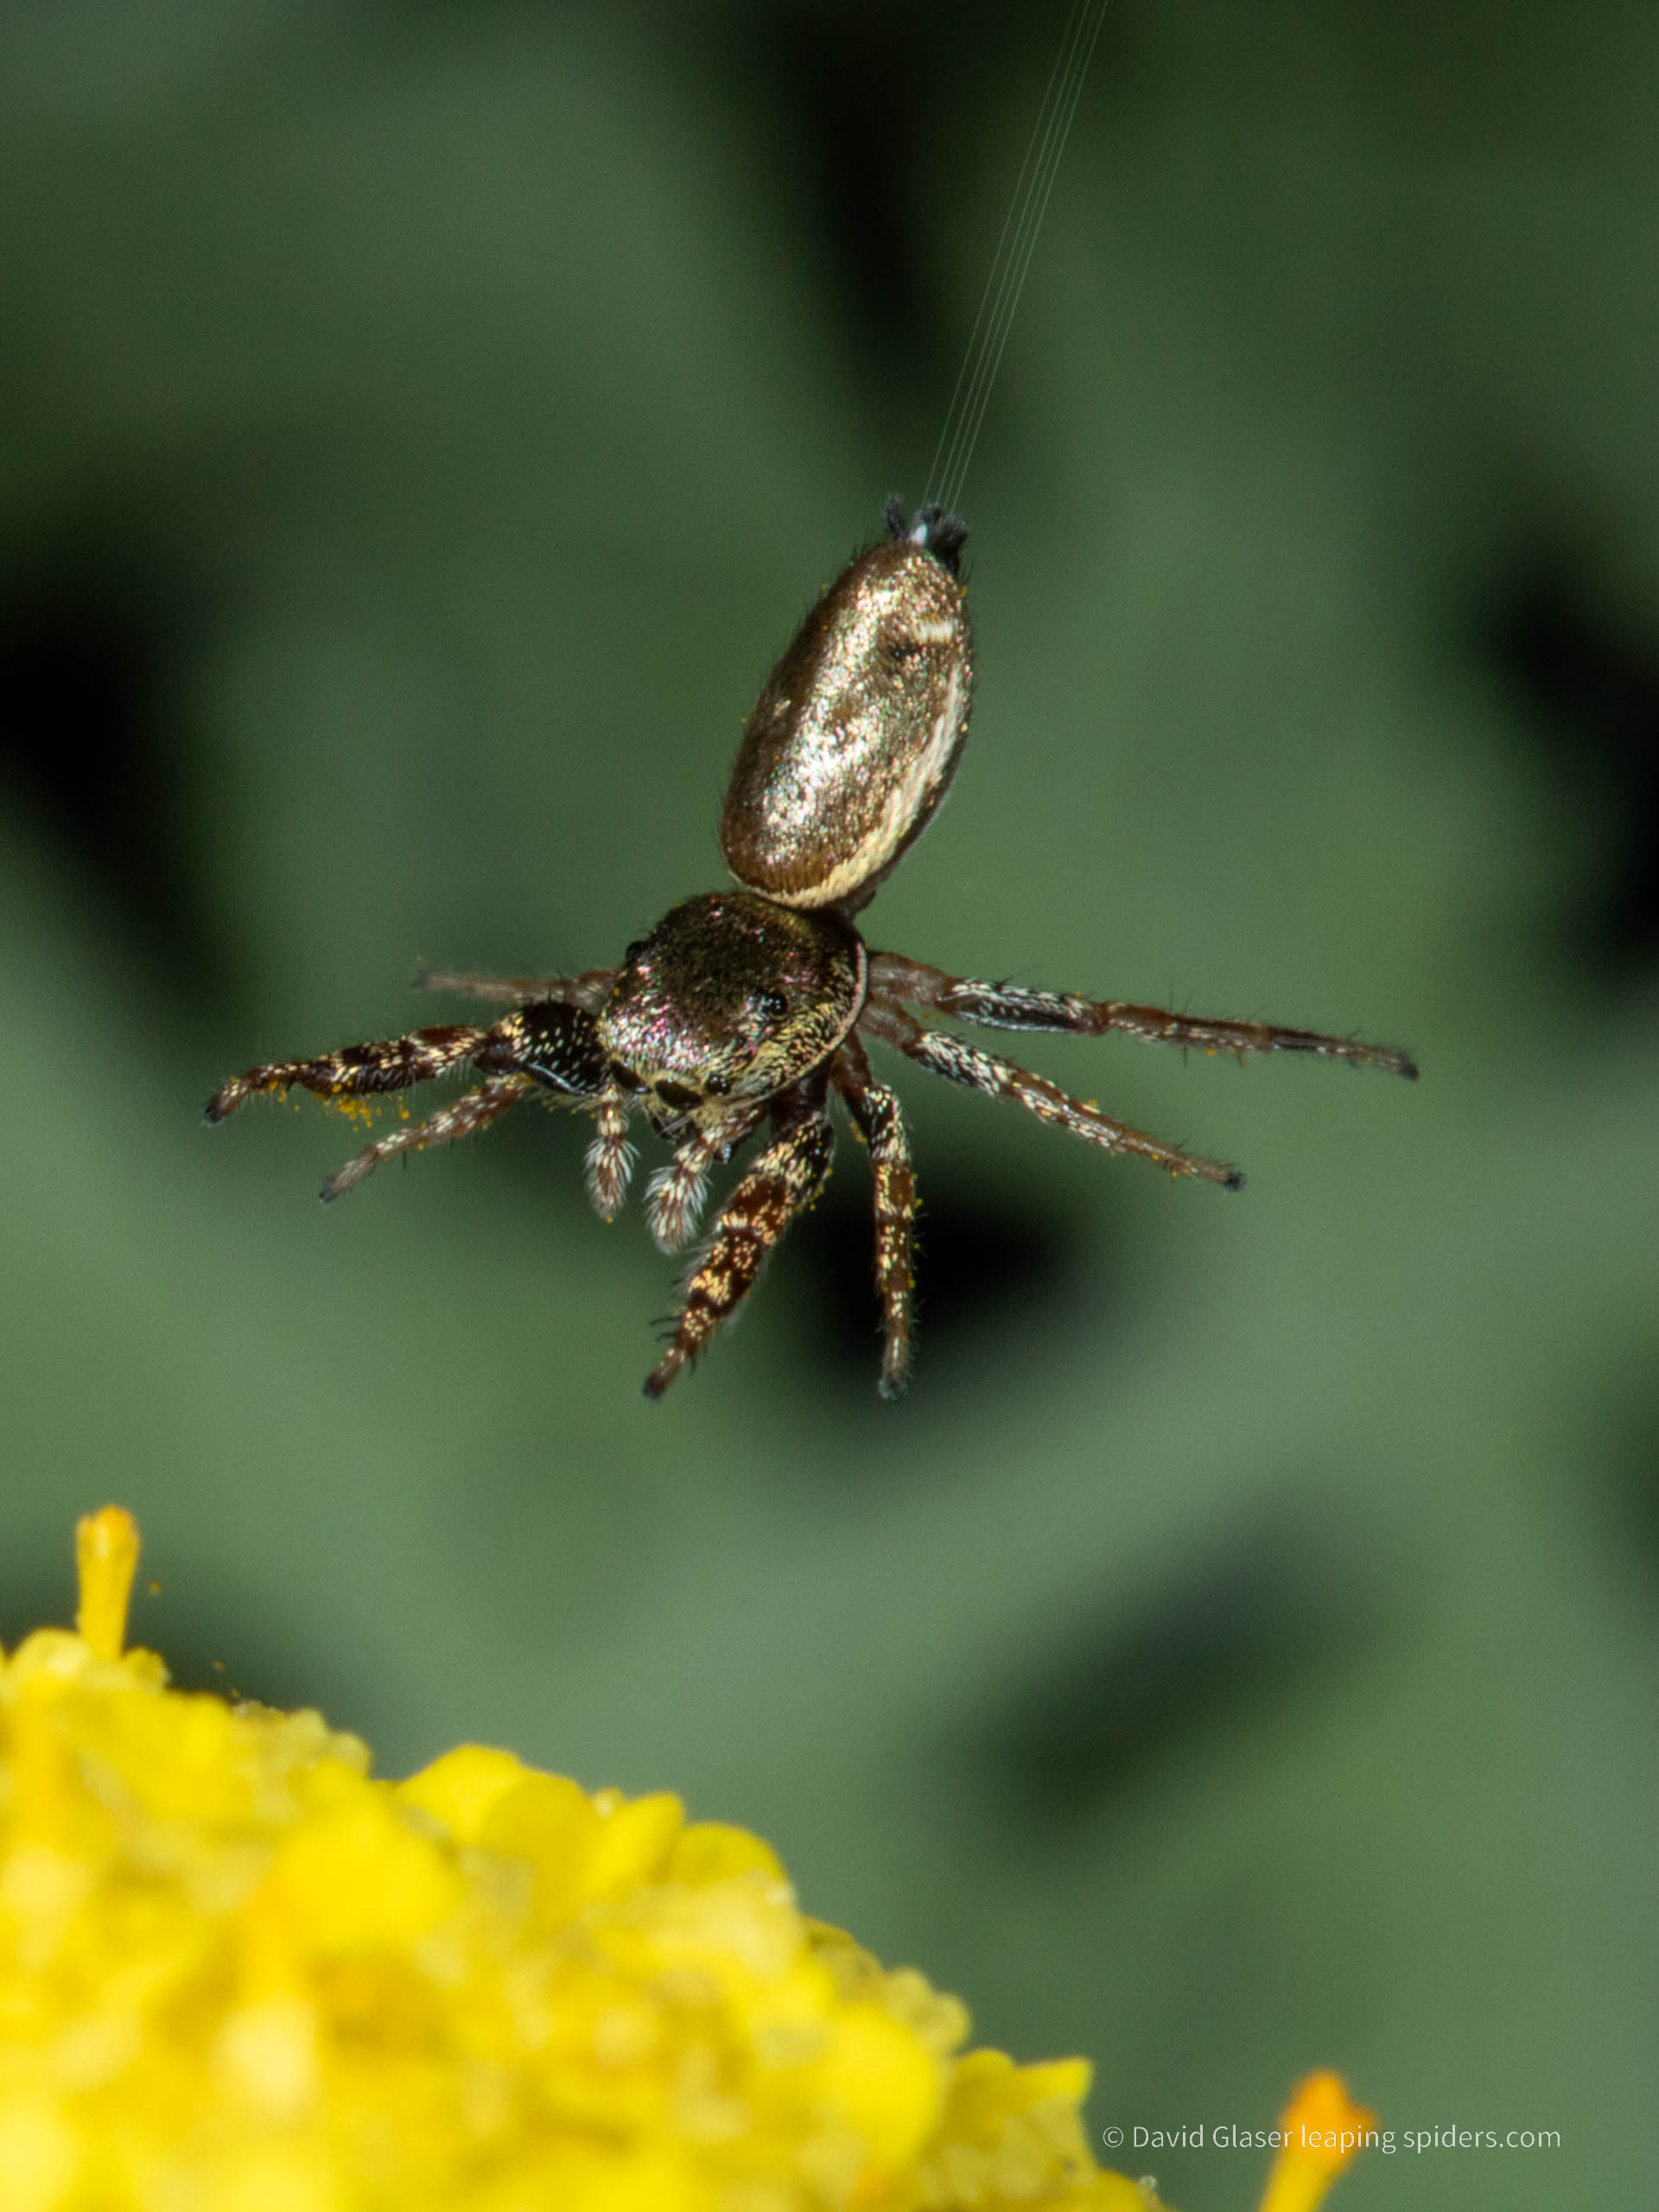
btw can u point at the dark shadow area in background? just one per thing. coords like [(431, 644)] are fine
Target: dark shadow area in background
[(538, 1148), (991, 1273), (1623, 1435), (840, 106), (1588, 696), (91, 647), (863, 111), (1230, 1634)]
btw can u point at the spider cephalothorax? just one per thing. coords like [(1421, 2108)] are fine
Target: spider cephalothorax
[(750, 1006)]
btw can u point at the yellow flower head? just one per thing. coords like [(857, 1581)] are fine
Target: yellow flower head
[(240, 1974)]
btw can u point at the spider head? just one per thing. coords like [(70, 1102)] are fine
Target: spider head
[(727, 1000)]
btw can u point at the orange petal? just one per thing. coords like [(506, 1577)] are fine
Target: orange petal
[(1323, 2129)]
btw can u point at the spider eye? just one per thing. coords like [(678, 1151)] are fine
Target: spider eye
[(631, 953), (717, 1086), (679, 1096), (770, 1008)]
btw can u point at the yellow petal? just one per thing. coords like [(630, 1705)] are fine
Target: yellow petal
[(39, 2155), (459, 1787), (635, 1839), (708, 1851), (360, 1879)]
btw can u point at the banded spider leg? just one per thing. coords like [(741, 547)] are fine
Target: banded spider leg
[(964, 1062), (785, 1178), (1011, 1006), (553, 1046), (875, 1109), (894, 978)]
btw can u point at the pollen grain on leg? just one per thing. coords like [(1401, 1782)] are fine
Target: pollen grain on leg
[(357, 1108), (461, 1117)]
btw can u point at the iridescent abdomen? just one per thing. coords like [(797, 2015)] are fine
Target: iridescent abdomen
[(854, 738)]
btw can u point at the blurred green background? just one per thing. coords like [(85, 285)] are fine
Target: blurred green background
[(424, 426)]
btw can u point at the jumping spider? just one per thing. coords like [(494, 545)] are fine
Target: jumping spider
[(750, 1006)]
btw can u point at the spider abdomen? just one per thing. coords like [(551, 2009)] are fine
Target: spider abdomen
[(856, 736)]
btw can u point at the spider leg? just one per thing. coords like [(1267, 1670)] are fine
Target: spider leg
[(674, 1196), (1010, 1006), (590, 990), (788, 1176), (552, 1045), (356, 1071), (875, 1109), (964, 1063), (610, 1156), (476, 1110)]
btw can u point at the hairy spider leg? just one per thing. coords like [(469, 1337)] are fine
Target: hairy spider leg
[(610, 1157), (964, 1063), (552, 1045), (786, 1177), (590, 990), (675, 1195), (555, 1042), (356, 1071), (1010, 1006), (875, 1109), (473, 1110)]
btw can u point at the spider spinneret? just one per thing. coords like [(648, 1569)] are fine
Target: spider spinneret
[(750, 1006)]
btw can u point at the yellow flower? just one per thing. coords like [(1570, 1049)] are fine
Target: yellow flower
[(240, 1974)]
